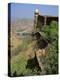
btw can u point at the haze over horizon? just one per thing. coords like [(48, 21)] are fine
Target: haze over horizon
[(21, 11)]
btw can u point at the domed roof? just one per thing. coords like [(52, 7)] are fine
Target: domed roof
[(36, 11)]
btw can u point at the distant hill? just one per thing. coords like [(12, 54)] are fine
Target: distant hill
[(22, 25)]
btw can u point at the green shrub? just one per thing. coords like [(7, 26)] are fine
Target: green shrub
[(51, 60)]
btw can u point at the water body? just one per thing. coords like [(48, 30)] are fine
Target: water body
[(24, 34)]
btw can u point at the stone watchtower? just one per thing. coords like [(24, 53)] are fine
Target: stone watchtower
[(40, 47), (36, 13)]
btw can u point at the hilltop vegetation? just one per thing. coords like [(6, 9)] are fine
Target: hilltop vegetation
[(51, 60), (23, 61)]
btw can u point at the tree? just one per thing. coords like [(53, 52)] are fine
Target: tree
[(51, 60)]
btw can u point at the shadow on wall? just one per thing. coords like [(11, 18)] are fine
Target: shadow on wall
[(41, 43)]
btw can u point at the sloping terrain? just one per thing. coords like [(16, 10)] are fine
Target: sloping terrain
[(23, 55)]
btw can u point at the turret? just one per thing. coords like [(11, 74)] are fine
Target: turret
[(36, 13)]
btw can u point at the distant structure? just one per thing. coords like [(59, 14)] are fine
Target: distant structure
[(36, 13), (42, 20)]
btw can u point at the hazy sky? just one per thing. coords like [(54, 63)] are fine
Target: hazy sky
[(19, 10)]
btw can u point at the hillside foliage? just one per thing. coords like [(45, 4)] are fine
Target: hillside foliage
[(20, 66), (51, 60)]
